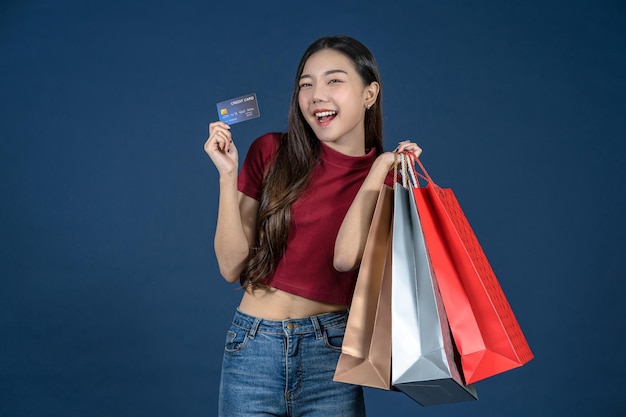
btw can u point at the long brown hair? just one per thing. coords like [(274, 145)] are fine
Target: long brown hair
[(296, 156)]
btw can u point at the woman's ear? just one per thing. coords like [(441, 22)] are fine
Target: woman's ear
[(371, 94)]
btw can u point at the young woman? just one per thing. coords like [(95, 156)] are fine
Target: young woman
[(291, 229)]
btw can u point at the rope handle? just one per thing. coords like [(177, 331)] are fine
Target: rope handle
[(409, 176), (395, 168), (400, 167), (425, 175)]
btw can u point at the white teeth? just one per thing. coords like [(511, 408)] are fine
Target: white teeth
[(325, 113)]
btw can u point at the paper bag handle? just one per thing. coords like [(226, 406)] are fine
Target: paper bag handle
[(408, 174)]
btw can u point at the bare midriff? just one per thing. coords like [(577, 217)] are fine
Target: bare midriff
[(273, 304)]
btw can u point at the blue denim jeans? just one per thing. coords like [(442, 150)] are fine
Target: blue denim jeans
[(286, 368)]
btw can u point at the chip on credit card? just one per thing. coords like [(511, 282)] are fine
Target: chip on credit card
[(238, 109)]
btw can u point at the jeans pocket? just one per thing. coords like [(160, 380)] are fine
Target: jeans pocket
[(236, 339), (333, 337)]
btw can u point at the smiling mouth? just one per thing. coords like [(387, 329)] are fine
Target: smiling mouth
[(325, 116)]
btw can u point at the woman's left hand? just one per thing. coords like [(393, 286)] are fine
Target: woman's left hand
[(408, 146), (388, 158)]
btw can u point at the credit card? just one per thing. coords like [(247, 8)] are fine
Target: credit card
[(238, 109)]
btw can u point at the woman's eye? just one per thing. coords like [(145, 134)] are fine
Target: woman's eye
[(334, 81), (305, 85)]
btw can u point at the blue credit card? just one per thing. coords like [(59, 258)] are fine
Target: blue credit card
[(238, 109)]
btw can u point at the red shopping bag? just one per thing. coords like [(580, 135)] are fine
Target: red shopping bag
[(485, 330)]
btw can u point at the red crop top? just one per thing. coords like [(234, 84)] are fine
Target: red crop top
[(307, 269)]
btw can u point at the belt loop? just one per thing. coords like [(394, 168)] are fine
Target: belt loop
[(318, 327), (254, 327)]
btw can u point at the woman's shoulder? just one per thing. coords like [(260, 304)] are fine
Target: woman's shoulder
[(268, 140), (256, 162), (266, 145), (262, 149)]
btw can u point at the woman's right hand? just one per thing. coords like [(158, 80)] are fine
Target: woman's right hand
[(221, 149)]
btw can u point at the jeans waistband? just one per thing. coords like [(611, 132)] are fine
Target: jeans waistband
[(313, 324)]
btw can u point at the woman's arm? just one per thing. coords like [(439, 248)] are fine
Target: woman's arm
[(352, 234), (237, 213), (350, 242), (235, 230)]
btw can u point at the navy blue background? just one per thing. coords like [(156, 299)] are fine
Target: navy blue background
[(110, 299)]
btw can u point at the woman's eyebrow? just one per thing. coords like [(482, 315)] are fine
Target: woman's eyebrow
[(329, 72)]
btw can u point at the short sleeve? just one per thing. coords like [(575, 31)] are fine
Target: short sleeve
[(389, 179), (257, 159)]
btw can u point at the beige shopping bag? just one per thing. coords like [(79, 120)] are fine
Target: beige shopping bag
[(366, 351)]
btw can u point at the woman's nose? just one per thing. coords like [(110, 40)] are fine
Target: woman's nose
[(319, 94)]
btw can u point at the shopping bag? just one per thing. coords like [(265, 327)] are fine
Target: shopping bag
[(423, 352), (485, 330), (366, 350)]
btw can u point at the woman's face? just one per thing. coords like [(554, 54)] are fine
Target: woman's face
[(333, 100)]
